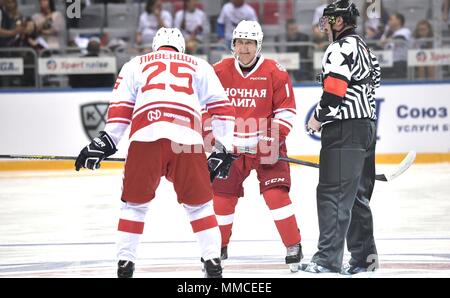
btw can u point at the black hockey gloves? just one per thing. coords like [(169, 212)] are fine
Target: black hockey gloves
[(100, 148), (219, 162)]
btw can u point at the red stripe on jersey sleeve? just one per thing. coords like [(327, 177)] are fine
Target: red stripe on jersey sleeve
[(131, 226), (227, 110), (218, 102), (119, 121), (120, 112), (335, 86), (284, 123), (293, 111), (204, 223), (223, 118)]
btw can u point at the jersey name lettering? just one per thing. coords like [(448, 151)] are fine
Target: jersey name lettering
[(167, 55), (245, 97)]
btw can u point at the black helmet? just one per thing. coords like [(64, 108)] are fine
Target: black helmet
[(343, 8)]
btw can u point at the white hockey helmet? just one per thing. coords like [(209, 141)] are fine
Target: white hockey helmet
[(169, 37), (248, 30)]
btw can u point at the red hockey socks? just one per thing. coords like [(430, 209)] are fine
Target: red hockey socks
[(280, 205)]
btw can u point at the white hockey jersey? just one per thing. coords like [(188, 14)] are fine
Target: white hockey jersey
[(161, 94)]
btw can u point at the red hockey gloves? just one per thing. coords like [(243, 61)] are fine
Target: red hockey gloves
[(219, 162), (100, 148)]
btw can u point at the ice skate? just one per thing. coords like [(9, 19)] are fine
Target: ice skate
[(125, 269), (212, 268), (293, 256)]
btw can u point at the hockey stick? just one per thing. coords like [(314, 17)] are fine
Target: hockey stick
[(402, 167), (52, 157)]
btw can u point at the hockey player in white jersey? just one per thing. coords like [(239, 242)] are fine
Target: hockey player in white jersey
[(161, 95)]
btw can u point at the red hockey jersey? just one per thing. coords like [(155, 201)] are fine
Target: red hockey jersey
[(261, 98)]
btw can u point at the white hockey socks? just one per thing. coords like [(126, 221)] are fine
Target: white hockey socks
[(204, 224), (130, 229)]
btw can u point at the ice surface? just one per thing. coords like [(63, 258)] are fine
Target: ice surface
[(63, 224)]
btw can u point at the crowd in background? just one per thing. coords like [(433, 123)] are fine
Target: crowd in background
[(48, 29)]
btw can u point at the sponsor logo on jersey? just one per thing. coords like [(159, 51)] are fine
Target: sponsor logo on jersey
[(154, 115), (93, 118), (258, 78), (177, 117), (274, 180)]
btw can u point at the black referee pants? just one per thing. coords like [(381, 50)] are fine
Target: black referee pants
[(346, 181)]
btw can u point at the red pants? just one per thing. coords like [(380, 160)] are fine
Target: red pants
[(269, 176), (147, 162)]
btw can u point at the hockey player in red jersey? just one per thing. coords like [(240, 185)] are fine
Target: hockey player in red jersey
[(162, 94), (261, 92)]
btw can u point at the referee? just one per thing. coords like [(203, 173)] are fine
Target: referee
[(346, 116)]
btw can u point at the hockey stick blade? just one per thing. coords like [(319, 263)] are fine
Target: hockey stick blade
[(403, 166), (51, 157)]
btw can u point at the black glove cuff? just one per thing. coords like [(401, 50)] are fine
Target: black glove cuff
[(105, 143)]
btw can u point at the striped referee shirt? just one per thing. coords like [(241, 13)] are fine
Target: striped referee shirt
[(347, 93)]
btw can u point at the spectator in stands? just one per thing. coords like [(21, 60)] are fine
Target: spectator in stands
[(92, 80), (319, 38), (193, 23), (12, 8), (109, 1), (231, 14), (10, 23), (10, 30), (374, 18), (153, 18), (29, 37), (397, 38), (423, 35), (318, 12), (446, 17), (292, 35), (372, 36), (51, 24)]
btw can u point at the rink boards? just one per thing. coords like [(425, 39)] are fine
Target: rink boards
[(410, 117)]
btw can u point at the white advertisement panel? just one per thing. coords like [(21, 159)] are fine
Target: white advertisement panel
[(429, 57), (411, 117), (11, 66), (77, 65), (50, 123), (385, 58)]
